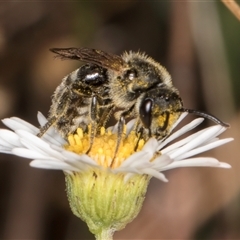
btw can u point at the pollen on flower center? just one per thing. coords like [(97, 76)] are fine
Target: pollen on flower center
[(104, 145)]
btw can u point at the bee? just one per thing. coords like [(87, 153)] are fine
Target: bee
[(132, 85)]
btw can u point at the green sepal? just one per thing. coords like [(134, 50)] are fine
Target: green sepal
[(104, 200)]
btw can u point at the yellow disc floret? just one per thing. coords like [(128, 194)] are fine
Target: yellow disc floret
[(104, 146)]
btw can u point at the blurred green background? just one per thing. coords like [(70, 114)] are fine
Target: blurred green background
[(197, 41)]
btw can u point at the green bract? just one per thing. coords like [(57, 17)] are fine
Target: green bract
[(104, 200)]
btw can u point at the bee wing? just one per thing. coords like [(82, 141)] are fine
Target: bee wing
[(94, 56)]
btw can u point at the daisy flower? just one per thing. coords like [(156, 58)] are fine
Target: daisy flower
[(106, 192)]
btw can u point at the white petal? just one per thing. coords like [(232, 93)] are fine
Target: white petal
[(52, 165), (75, 159), (136, 159), (27, 153), (113, 128), (41, 119), (51, 135), (180, 143), (205, 135), (5, 150), (149, 171), (48, 150), (204, 148), (4, 144), (15, 123), (32, 146), (150, 146), (185, 140), (35, 143), (55, 139), (130, 126), (197, 162), (181, 131), (161, 161), (224, 165), (10, 137), (154, 173), (71, 156)]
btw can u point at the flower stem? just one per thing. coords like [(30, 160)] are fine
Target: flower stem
[(105, 234)]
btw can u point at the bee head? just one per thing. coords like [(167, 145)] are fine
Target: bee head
[(161, 107), (159, 110)]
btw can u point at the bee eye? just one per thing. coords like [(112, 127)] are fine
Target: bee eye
[(131, 74), (146, 112)]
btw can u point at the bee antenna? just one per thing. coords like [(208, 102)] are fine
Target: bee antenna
[(208, 116)]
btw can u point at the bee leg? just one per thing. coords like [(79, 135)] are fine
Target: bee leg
[(93, 118), (45, 127), (139, 137), (138, 129), (121, 123), (105, 117), (120, 130)]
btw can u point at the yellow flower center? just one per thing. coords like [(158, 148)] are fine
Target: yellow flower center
[(104, 146)]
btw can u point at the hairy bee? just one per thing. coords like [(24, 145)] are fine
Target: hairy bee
[(133, 85)]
